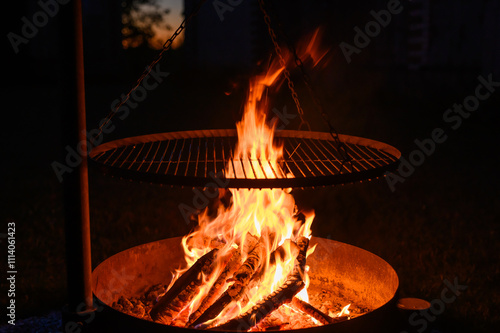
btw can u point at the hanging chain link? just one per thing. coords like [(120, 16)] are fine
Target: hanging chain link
[(282, 61), (166, 46), (333, 132), (307, 81)]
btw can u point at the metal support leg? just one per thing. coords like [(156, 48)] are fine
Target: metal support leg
[(76, 191)]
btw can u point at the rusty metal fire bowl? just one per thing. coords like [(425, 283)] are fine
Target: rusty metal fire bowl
[(365, 279)]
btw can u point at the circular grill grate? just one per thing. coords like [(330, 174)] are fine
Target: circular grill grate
[(201, 158)]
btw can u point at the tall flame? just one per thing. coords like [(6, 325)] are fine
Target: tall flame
[(267, 214)]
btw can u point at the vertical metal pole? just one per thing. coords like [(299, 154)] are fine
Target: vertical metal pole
[(76, 190), (83, 170)]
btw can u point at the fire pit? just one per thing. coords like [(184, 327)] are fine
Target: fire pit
[(252, 264), (368, 282)]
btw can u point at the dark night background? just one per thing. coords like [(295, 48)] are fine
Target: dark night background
[(441, 223)]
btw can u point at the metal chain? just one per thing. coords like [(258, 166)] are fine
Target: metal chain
[(333, 132), (282, 61), (307, 81), (166, 46)]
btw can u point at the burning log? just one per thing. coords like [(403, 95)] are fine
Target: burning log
[(249, 268), (300, 262), (282, 295), (228, 264), (280, 251), (241, 279), (307, 308), (258, 312), (218, 287), (183, 290)]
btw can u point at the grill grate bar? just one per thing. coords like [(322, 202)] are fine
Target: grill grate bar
[(250, 161), (377, 156), (109, 156), (171, 155), (215, 157), (206, 160), (139, 151), (355, 164), (223, 157), (294, 162), (143, 159), (179, 156), (297, 151), (243, 168), (365, 164), (98, 157), (126, 158), (364, 156), (197, 159), (313, 162), (119, 155), (262, 168), (272, 169), (283, 173), (317, 157), (163, 157), (153, 159), (231, 158), (325, 151), (387, 156), (190, 158)]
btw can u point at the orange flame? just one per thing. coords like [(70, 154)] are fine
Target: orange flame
[(266, 213)]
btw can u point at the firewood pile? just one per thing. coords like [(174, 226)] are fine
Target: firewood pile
[(281, 309)]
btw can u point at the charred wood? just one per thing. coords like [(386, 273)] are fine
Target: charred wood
[(307, 308), (284, 294), (183, 290), (240, 279)]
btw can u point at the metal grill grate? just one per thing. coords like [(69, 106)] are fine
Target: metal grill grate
[(201, 159)]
